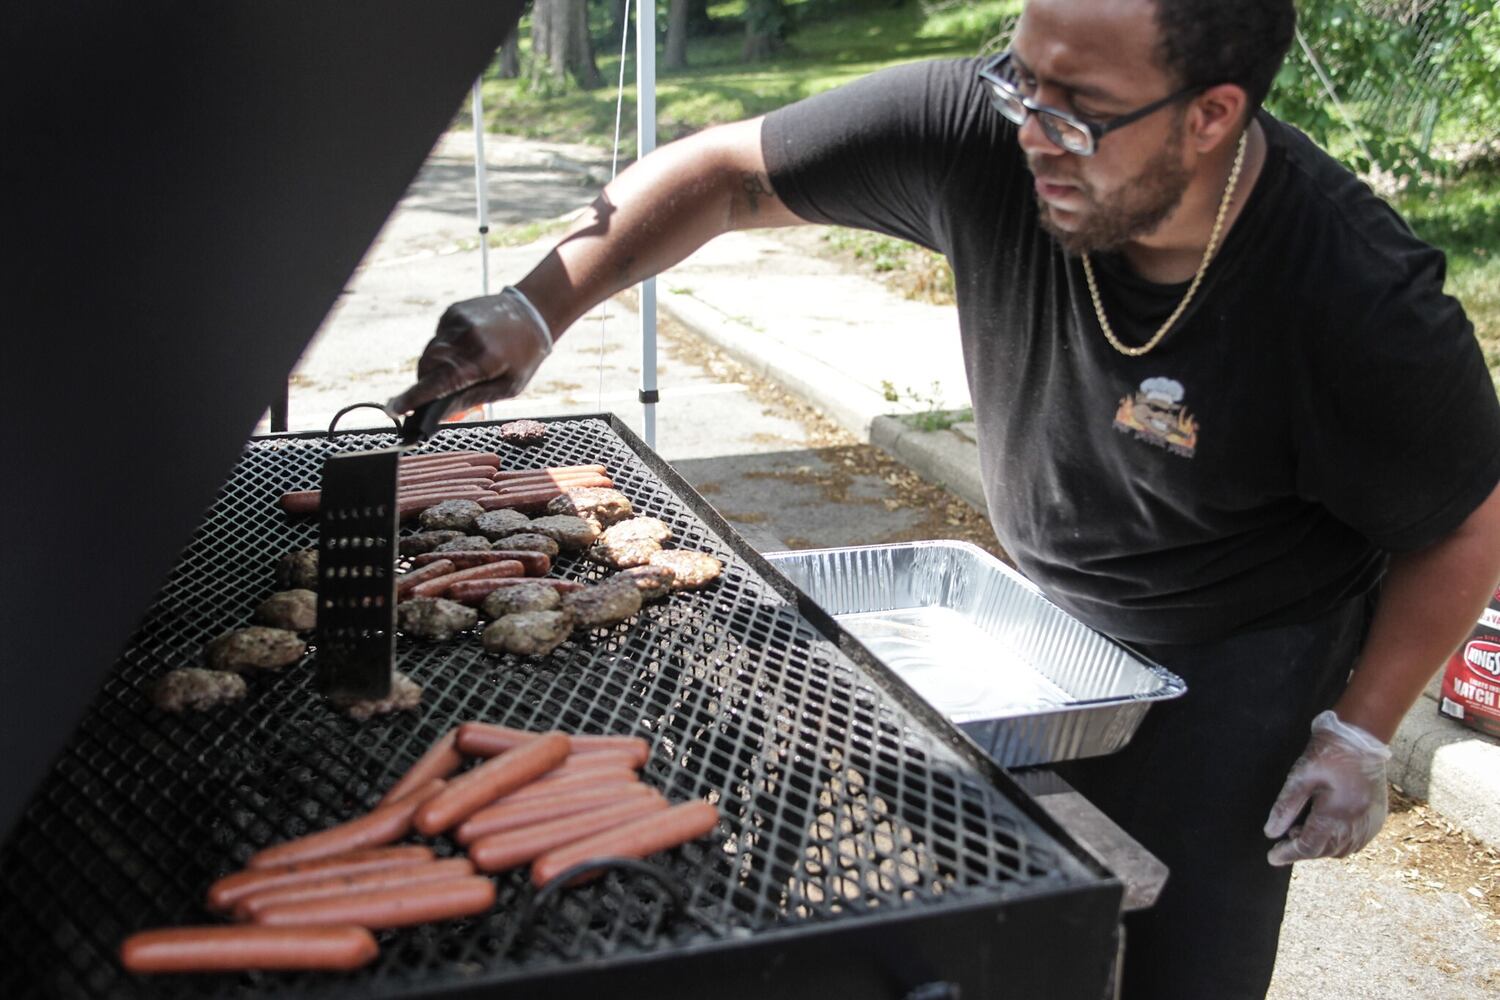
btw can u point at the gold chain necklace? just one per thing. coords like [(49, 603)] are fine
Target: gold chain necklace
[(1208, 255)]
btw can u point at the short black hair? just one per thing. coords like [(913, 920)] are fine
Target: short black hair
[(1208, 42)]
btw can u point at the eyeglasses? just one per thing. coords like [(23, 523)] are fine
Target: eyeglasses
[(1063, 129)]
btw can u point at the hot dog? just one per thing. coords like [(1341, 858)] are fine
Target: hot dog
[(488, 458), (596, 760), (536, 563), (473, 592), (484, 739), (384, 825), (311, 501), (410, 507), (500, 851), (230, 889), (550, 786), (508, 815), (636, 839), (473, 790), (378, 909), (570, 482), (244, 948), (437, 586), (440, 761), (433, 570), (251, 907), (526, 501), (514, 474), (445, 474)]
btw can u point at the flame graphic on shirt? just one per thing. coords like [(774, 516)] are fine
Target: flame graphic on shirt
[(1155, 414)]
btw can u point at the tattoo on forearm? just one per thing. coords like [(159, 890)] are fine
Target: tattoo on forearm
[(756, 186)]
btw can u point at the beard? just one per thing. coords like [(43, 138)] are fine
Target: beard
[(1135, 208)]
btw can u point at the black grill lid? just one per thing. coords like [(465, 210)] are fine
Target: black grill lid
[(186, 188)]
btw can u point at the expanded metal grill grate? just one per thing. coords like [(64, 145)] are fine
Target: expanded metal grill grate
[(842, 799)]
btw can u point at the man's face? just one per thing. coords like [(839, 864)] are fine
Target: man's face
[(1095, 59)]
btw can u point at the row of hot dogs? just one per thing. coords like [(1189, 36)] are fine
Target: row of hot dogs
[(550, 800), (426, 480)]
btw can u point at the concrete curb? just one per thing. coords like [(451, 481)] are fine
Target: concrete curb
[(1434, 759)]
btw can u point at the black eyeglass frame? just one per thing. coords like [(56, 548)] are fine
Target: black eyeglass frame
[(990, 74)]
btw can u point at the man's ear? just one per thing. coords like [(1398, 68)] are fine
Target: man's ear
[(1215, 115)]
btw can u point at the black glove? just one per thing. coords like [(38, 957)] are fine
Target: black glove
[(485, 349)]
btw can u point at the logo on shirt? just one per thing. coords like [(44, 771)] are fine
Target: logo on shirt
[(1155, 414)]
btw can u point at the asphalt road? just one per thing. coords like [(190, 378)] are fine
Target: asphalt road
[(1377, 927)]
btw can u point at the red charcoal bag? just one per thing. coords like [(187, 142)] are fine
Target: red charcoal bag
[(1471, 681)]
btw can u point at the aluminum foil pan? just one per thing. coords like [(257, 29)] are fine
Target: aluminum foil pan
[(1027, 681)]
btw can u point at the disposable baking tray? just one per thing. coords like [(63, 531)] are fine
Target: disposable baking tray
[(1024, 679)]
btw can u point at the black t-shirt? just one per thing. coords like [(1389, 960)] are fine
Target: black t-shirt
[(1320, 403)]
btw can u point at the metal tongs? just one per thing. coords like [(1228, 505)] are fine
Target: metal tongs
[(358, 525)]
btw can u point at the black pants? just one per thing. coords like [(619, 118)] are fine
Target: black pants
[(1194, 786)]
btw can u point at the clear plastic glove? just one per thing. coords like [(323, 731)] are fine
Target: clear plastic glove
[(486, 348), (1342, 774)]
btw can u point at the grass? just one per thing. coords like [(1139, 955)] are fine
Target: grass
[(1462, 217), (718, 87)]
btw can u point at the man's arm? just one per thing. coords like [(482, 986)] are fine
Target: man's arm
[(1429, 602), (654, 215), (650, 217)]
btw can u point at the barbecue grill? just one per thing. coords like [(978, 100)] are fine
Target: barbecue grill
[(866, 848)]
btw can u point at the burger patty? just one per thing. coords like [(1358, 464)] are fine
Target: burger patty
[(194, 689), (405, 694), (523, 432), (294, 610), (604, 604), (651, 581), (531, 542), (600, 506), (522, 597), (637, 528), (465, 543), (454, 515), (256, 647), (573, 534), (496, 524), (528, 633), (298, 570), (624, 553), (424, 542), (435, 618), (692, 569)]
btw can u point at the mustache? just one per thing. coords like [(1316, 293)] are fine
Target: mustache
[(1050, 176)]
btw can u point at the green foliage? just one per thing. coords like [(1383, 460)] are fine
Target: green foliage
[(1403, 73), (925, 409)]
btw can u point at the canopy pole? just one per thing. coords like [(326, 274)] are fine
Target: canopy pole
[(645, 73), (481, 188)]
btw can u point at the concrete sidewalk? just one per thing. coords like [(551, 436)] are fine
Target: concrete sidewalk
[(834, 338)]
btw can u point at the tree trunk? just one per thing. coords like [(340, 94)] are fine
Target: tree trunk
[(766, 26), (560, 42), (675, 56), (510, 57)]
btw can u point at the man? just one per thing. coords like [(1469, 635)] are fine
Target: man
[(1220, 397)]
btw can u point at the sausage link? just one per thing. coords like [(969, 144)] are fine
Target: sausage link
[(486, 458), (473, 592), (563, 483), (500, 851), (230, 889), (246, 948), (384, 825), (513, 474), (444, 474), (526, 501), (596, 760), (379, 909), (536, 563), (508, 815), (485, 739), (574, 780), (251, 907), (473, 790), (433, 570), (440, 761), (636, 839), (437, 586), (311, 501)]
